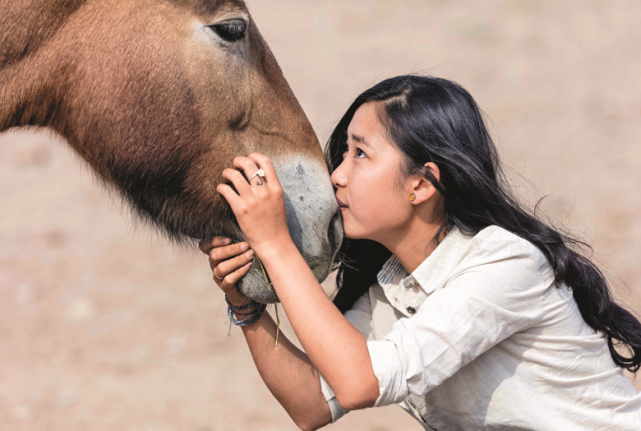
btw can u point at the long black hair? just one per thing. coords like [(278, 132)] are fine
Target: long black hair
[(435, 120)]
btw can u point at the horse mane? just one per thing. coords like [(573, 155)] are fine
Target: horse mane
[(28, 24), (25, 71)]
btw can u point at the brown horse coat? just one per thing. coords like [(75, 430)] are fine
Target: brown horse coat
[(158, 97)]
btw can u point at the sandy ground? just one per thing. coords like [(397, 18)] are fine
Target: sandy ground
[(103, 326)]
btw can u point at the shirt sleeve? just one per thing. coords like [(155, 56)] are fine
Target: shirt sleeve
[(360, 315), (334, 406), (496, 291)]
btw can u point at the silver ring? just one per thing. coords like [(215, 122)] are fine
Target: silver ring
[(259, 173), (217, 277)]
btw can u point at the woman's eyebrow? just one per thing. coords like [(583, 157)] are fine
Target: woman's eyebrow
[(360, 140)]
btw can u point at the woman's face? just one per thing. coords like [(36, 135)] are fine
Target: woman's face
[(370, 189)]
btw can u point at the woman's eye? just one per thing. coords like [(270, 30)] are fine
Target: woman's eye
[(360, 153)]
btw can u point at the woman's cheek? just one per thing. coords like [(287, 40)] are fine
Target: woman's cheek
[(385, 218), (381, 214), (360, 220), (369, 210)]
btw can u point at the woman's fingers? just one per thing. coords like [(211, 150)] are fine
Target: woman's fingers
[(217, 241), (250, 168), (222, 269), (230, 195), (228, 286), (266, 165), (238, 180), (219, 254), (260, 211), (228, 283)]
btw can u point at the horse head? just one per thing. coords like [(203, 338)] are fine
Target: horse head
[(158, 97)]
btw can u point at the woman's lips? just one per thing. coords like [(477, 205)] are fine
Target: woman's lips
[(341, 204)]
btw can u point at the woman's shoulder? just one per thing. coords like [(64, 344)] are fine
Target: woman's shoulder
[(496, 244), (496, 238), (500, 268)]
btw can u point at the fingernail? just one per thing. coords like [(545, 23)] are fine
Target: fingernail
[(244, 247), (248, 265), (226, 241), (250, 254)]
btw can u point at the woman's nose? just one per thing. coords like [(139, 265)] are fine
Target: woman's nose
[(339, 179)]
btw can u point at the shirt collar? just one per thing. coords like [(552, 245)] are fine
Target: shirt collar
[(390, 269), (432, 270)]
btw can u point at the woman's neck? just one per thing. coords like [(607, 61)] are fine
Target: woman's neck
[(414, 244)]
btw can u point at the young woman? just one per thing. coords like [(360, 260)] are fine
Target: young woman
[(454, 302)]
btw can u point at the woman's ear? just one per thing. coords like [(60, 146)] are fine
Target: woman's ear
[(422, 188)]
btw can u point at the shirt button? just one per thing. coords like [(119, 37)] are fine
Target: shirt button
[(411, 310)]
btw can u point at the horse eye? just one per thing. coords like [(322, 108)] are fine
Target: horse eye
[(231, 31)]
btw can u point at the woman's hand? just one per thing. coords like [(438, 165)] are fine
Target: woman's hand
[(229, 263), (259, 205)]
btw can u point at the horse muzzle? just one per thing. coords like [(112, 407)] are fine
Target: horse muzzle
[(313, 218)]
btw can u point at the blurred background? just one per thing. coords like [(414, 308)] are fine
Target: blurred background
[(104, 326)]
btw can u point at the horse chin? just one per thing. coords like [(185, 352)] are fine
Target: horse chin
[(254, 285)]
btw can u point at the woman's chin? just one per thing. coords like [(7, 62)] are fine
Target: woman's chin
[(351, 234)]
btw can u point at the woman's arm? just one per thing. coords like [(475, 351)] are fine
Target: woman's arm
[(337, 350), (289, 375), (286, 370)]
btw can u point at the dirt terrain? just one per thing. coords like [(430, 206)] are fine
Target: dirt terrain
[(105, 326)]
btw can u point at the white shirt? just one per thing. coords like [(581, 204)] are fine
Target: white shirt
[(479, 337)]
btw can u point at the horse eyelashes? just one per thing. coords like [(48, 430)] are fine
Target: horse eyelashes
[(231, 31)]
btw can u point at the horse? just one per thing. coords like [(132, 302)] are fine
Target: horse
[(158, 97)]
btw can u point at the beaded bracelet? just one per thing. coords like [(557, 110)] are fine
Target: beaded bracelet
[(242, 314), (260, 309), (244, 307)]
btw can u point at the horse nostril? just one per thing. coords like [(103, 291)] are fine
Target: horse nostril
[(335, 232)]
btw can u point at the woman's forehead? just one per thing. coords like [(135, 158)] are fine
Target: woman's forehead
[(366, 127)]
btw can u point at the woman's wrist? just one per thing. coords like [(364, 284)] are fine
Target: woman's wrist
[(243, 304), (246, 319), (244, 314), (241, 308), (275, 249)]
